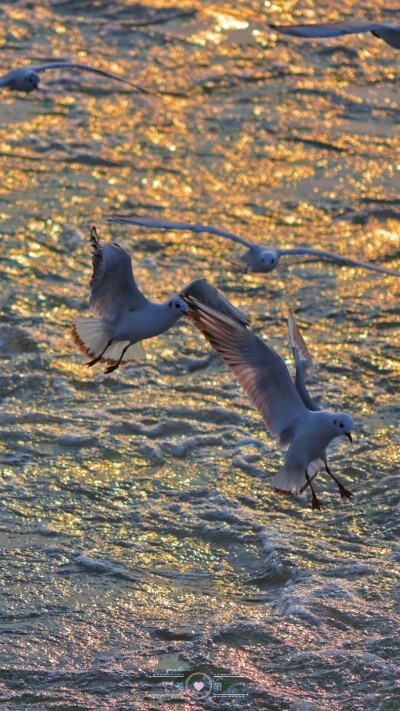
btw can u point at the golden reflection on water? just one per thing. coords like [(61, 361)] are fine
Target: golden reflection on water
[(283, 142)]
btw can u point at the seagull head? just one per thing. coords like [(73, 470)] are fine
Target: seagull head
[(178, 307), (28, 82), (343, 424), (262, 260)]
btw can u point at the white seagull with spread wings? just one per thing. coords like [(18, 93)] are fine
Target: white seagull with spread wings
[(27, 78), (388, 33), (265, 378), (125, 316), (258, 258)]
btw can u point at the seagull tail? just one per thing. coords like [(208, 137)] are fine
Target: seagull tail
[(92, 336), (291, 477)]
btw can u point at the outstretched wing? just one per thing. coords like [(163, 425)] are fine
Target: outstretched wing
[(303, 359), (329, 29), (5, 80), (207, 295), (337, 258), (185, 226), (87, 68), (301, 354), (113, 289), (259, 369)]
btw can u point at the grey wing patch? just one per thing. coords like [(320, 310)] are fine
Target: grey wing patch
[(303, 360), (5, 80), (112, 286), (93, 70), (301, 353), (206, 294), (259, 369), (326, 29)]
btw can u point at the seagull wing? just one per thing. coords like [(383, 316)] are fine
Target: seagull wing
[(303, 360), (5, 79), (329, 30), (167, 225), (259, 369), (113, 289), (203, 292), (337, 258), (87, 68), (301, 354)]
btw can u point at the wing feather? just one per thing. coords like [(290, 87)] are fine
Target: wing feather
[(258, 368), (113, 289), (87, 68), (321, 254), (201, 290), (303, 360), (185, 226), (329, 29)]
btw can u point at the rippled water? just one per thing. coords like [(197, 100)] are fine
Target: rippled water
[(139, 534)]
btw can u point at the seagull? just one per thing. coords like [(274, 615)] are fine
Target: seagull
[(303, 359), (27, 78), (389, 33), (258, 258), (265, 378), (125, 316)]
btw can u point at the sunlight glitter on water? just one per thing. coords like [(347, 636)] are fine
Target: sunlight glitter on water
[(139, 531)]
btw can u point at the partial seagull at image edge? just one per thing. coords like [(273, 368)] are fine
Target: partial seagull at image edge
[(27, 78), (388, 33)]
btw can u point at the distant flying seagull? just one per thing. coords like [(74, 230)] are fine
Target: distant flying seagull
[(389, 33), (265, 378), (258, 258), (27, 78)]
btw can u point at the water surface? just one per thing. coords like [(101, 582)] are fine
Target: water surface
[(139, 534)]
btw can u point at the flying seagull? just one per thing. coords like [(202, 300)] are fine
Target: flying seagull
[(267, 382), (125, 316), (389, 33), (27, 78), (257, 258)]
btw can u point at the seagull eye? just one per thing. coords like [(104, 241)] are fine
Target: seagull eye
[(178, 306), (334, 422), (341, 424)]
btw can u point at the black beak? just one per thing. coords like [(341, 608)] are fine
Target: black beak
[(349, 437)]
